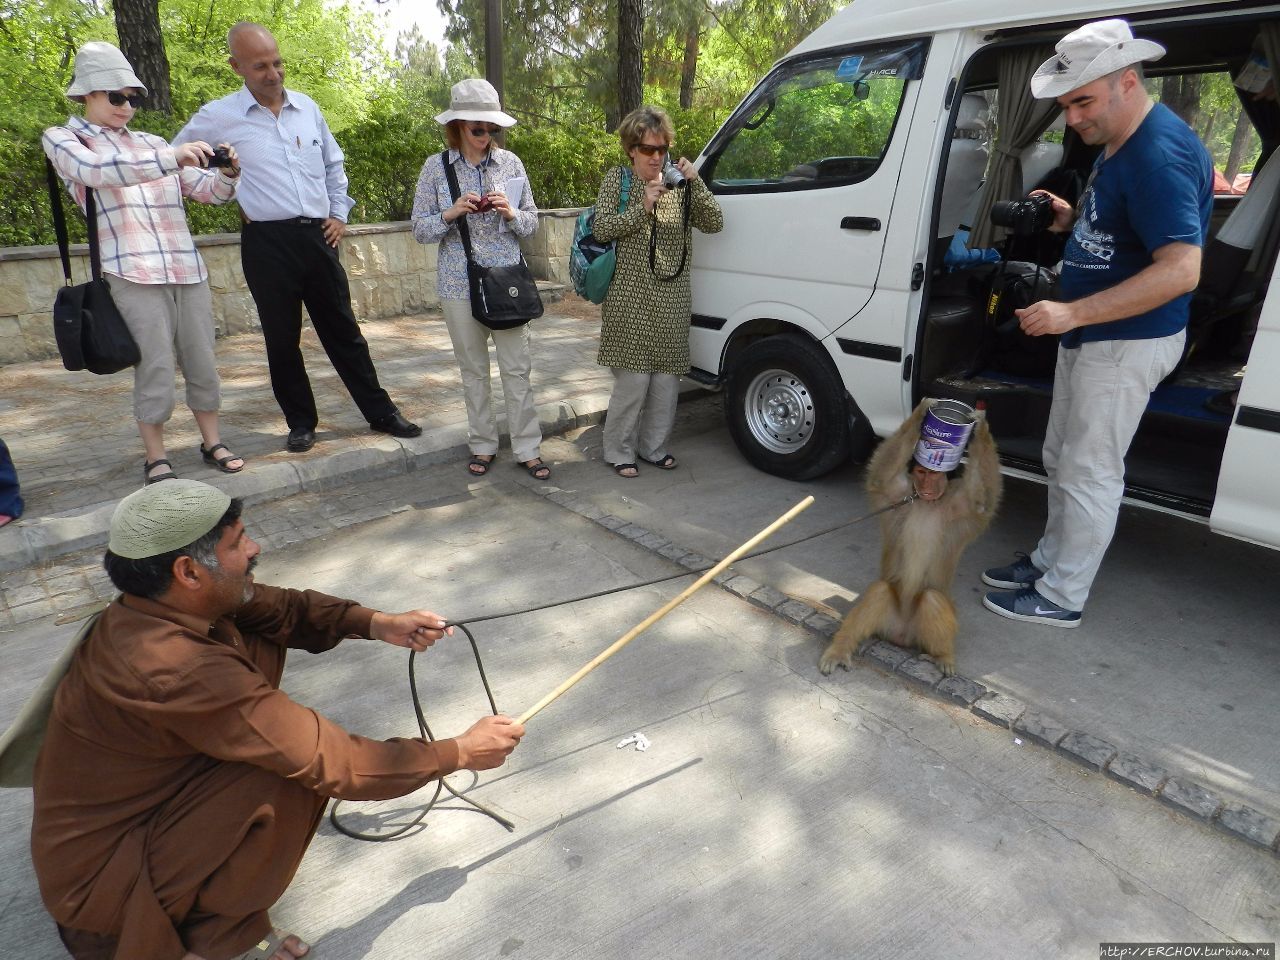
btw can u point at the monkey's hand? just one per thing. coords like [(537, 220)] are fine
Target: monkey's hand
[(836, 655)]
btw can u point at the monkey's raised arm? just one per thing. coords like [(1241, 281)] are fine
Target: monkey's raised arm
[(982, 483), (886, 473)]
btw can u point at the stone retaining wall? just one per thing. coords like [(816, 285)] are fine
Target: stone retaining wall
[(391, 275)]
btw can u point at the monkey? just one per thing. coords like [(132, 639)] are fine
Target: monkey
[(910, 605)]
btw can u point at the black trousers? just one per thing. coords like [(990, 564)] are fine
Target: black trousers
[(287, 264)]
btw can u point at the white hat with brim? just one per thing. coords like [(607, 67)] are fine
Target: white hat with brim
[(1093, 51), (475, 100), (100, 66)]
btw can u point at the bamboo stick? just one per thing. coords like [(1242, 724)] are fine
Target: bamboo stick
[(667, 608)]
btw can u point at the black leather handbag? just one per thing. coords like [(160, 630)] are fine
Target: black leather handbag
[(501, 297), (90, 333)]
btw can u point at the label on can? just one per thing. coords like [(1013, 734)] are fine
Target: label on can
[(944, 432)]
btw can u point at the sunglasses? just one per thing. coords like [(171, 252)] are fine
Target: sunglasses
[(118, 99), (483, 131), (651, 150)]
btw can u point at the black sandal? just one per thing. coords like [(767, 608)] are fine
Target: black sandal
[(619, 467), (482, 465), (537, 469), (221, 462), (666, 463), (147, 479)]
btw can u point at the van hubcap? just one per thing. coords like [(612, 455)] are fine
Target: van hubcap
[(779, 411)]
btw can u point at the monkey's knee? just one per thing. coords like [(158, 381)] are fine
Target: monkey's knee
[(870, 614), (934, 627)]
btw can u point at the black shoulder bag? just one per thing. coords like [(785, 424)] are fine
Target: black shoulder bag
[(501, 297), (89, 330)]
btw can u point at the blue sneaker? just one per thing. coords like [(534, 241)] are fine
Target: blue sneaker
[(1028, 605), (1021, 573)]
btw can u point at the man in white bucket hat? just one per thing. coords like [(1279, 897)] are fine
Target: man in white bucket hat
[(1130, 264)]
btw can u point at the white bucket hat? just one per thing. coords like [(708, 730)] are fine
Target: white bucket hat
[(100, 66), (1093, 51), (475, 100)]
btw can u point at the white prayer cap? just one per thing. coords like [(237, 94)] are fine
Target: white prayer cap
[(166, 516)]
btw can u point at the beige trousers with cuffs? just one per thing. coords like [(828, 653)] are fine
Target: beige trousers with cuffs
[(471, 347), (172, 324)]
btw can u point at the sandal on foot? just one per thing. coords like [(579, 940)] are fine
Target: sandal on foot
[(537, 469), (148, 479), (666, 463), (221, 462), (267, 947), (618, 468), (477, 466)]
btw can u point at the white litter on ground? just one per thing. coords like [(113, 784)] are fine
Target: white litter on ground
[(639, 739)]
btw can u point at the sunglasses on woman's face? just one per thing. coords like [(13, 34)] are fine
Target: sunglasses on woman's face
[(118, 99), (483, 131), (651, 149)]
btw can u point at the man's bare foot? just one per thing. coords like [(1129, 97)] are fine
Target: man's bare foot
[(287, 947)]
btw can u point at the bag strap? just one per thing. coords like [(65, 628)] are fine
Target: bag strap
[(684, 239), (60, 223), (626, 191), (454, 192)]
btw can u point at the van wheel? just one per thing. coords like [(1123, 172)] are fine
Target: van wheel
[(786, 408)]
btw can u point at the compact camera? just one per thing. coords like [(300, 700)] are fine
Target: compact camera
[(1025, 217), (484, 204), (672, 178), (221, 157)]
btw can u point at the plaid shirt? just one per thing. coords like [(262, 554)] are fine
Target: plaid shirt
[(138, 187)]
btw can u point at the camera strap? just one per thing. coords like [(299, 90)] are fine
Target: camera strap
[(684, 239)]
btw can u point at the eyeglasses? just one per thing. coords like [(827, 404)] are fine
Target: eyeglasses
[(651, 149), (483, 131), (118, 99)]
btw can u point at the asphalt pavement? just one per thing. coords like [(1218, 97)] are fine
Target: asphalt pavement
[(1162, 702), (775, 813)]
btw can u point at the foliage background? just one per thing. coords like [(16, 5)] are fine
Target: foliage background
[(701, 57)]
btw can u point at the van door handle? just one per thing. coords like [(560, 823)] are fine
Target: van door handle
[(859, 223)]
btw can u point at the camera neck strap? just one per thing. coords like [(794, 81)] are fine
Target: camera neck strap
[(684, 238)]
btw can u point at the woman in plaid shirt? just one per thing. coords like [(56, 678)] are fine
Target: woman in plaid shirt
[(157, 278)]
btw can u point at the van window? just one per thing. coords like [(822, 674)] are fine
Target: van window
[(816, 123)]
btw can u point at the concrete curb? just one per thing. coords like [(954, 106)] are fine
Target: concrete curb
[(42, 539), (1178, 792)]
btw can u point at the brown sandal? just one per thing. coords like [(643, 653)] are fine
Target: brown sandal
[(221, 462)]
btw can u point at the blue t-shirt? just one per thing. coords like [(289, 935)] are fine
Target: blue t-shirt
[(1155, 190)]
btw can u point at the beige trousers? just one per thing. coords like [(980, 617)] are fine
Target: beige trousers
[(172, 323), (642, 411), (471, 347)]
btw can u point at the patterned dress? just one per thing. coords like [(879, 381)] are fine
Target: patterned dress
[(645, 319)]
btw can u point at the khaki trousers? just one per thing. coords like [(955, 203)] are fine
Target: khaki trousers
[(642, 411), (471, 347), (172, 324)]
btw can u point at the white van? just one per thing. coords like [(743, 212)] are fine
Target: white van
[(837, 294)]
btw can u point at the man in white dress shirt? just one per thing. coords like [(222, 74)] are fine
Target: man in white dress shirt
[(293, 197)]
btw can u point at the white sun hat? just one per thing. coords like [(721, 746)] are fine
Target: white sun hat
[(475, 100), (1093, 51), (100, 66)]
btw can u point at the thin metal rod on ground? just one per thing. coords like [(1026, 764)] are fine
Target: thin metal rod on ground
[(667, 608)]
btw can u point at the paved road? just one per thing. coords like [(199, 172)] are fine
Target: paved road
[(777, 813)]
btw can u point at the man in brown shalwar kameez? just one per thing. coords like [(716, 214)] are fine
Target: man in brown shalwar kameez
[(178, 788)]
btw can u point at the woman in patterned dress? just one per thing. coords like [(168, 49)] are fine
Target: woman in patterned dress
[(644, 332)]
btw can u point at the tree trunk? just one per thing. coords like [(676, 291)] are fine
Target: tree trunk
[(690, 69), (138, 25), (1239, 144), (1182, 96), (630, 55)]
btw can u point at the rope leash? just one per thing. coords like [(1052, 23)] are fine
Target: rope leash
[(424, 729)]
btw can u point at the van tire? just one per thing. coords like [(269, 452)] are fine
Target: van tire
[(786, 408)]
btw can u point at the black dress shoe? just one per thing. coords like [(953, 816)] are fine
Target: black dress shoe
[(397, 426), (301, 439)]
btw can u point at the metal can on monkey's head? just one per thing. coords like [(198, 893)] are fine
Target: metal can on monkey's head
[(944, 432)]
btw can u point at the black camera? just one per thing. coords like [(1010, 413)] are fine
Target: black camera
[(1025, 217), (221, 157)]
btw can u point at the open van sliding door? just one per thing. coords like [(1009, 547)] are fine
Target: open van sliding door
[(1247, 503), (805, 172)]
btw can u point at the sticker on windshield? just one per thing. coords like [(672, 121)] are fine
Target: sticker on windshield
[(849, 68)]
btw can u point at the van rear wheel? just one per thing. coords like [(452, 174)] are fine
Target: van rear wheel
[(786, 408)]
